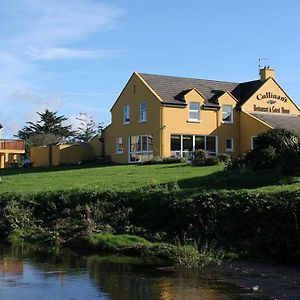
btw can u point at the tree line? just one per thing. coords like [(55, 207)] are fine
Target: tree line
[(51, 128)]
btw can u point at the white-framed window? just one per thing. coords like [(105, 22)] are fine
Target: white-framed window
[(229, 145), (227, 114), (194, 111), (140, 148), (126, 114), (143, 112), (183, 145), (253, 142), (119, 145)]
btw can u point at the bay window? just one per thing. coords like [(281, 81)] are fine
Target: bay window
[(140, 148)]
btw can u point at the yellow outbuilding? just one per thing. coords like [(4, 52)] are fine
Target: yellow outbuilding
[(11, 151), (164, 116)]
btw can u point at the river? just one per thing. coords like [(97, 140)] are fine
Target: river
[(36, 272)]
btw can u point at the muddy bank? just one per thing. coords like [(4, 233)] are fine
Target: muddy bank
[(275, 280)]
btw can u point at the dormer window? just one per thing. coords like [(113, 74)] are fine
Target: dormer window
[(126, 114), (227, 114), (194, 111)]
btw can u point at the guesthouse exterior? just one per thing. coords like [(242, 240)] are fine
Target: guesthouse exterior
[(158, 115)]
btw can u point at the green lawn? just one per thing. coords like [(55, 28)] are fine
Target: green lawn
[(129, 177)]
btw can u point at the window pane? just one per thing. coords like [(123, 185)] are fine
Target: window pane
[(119, 145), (229, 144), (143, 106), (254, 142), (135, 157), (194, 111), (143, 115), (143, 111), (226, 117), (194, 105), (187, 143), (227, 113), (144, 142), (126, 117), (199, 142), (134, 143), (211, 144), (194, 115), (175, 142), (150, 143)]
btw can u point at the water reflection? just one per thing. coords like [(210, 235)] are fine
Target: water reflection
[(34, 272)]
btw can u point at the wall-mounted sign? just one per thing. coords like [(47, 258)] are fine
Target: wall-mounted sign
[(270, 95), (271, 109)]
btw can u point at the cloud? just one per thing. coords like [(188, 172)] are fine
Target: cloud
[(33, 31), (51, 53), (13, 68), (44, 22)]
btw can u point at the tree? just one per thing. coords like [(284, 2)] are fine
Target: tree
[(87, 128), (50, 124)]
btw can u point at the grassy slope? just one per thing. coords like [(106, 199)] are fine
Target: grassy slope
[(129, 177)]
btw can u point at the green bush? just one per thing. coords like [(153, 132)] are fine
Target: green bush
[(237, 163), (199, 158), (164, 160), (224, 159), (202, 158), (212, 161), (253, 223), (275, 148)]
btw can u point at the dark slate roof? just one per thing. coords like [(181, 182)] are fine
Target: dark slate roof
[(171, 89), (246, 89), (291, 122)]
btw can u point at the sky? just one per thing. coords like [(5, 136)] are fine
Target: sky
[(75, 56)]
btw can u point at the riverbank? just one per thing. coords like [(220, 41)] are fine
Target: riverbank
[(245, 223)]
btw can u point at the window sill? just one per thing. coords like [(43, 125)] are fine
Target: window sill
[(142, 121), (194, 121), (125, 123), (119, 152), (224, 122), (229, 150)]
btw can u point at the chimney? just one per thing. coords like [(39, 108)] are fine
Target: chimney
[(266, 73)]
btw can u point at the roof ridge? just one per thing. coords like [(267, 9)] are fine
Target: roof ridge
[(182, 77)]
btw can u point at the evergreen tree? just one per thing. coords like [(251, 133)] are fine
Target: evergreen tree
[(49, 123)]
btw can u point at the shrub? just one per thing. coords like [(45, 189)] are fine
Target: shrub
[(202, 158), (236, 163), (199, 158), (253, 223), (224, 158), (275, 148), (164, 160), (211, 161), (172, 160)]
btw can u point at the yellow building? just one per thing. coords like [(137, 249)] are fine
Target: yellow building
[(167, 116), (11, 151)]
